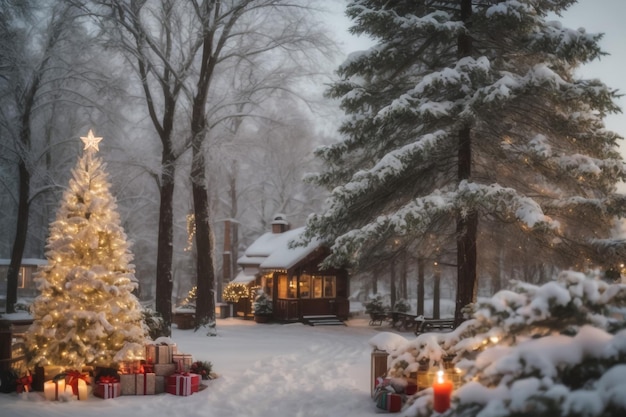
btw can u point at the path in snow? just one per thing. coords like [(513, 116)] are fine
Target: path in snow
[(265, 371)]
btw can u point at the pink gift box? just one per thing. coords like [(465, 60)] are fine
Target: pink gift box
[(107, 390)]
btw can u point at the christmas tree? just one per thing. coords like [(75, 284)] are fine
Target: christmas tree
[(86, 313)]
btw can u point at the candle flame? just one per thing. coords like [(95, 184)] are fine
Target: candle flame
[(440, 377)]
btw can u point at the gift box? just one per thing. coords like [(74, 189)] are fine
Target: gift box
[(182, 384), (107, 387), (130, 367), (128, 384), (183, 361), (160, 353), (138, 384), (54, 388), (43, 374), (389, 401), (145, 384), (23, 384), (159, 386), (79, 382), (164, 369), (387, 394), (147, 366)]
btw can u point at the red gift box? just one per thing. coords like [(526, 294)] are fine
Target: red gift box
[(107, 387), (72, 378), (24, 383), (389, 401), (182, 384)]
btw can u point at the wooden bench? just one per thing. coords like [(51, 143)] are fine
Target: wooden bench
[(403, 321), (376, 319), (426, 325)]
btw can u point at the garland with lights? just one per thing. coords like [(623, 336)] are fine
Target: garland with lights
[(234, 291)]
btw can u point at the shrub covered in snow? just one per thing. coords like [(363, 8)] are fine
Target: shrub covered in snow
[(376, 306), (553, 350)]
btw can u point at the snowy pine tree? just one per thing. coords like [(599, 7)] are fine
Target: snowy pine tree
[(86, 313), (552, 350), (466, 126)]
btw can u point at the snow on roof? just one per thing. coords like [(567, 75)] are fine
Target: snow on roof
[(243, 278), (271, 250)]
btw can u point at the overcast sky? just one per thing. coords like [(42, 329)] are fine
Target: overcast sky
[(605, 16)]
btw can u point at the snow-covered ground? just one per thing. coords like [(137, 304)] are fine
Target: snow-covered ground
[(265, 370)]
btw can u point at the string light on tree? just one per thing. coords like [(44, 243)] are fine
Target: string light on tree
[(191, 231)]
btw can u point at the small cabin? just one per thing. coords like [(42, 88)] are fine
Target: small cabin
[(26, 287), (292, 278)]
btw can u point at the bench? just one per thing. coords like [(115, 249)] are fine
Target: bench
[(403, 321), (376, 319), (426, 325)]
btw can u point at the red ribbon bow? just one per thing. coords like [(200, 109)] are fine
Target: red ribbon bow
[(23, 383), (108, 379), (72, 380)]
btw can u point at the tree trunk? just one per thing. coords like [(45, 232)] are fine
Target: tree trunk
[(404, 292), (420, 286), (20, 238), (165, 248), (375, 283), (205, 302), (467, 224), (234, 226), (436, 292), (392, 284)]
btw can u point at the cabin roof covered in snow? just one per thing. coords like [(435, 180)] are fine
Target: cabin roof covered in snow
[(272, 251)]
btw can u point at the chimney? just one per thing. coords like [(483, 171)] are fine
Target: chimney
[(279, 223)]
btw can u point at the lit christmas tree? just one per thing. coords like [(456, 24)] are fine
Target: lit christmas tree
[(86, 313)]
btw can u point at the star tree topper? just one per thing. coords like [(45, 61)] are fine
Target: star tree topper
[(91, 142)]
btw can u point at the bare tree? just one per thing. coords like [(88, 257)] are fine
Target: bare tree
[(162, 48), (30, 75), (237, 34), (224, 58)]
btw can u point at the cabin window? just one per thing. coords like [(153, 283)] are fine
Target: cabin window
[(293, 287), (282, 286), (305, 286), (287, 286), (324, 286), (329, 287), (268, 288)]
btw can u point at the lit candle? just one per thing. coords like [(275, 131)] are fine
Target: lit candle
[(442, 390), (82, 390), (48, 390), (60, 387)]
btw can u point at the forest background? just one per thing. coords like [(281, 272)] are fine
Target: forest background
[(69, 66)]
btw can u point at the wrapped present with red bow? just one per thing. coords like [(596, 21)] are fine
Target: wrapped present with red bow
[(387, 395), (130, 367), (183, 361), (23, 384), (183, 383), (147, 366), (79, 381), (160, 353), (54, 388), (107, 387), (140, 383)]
